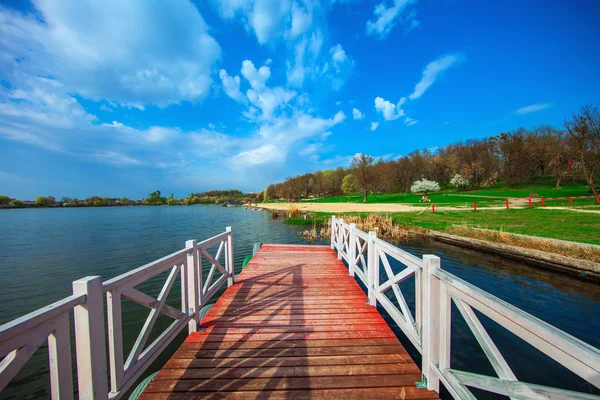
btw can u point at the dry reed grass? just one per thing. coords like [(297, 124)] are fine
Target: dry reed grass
[(575, 251), (383, 225), (293, 211)]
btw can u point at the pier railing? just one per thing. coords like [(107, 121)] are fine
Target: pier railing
[(97, 376), (429, 329)]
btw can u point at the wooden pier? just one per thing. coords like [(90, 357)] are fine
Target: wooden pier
[(295, 325)]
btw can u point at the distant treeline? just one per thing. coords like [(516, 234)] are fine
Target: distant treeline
[(509, 158), (154, 198)]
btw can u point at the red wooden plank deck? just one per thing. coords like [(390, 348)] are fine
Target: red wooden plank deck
[(294, 325)]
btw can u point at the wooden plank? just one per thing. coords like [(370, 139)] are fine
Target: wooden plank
[(242, 372), (319, 382), (291, 344), (406, 392), (276, 360), (295, 325)]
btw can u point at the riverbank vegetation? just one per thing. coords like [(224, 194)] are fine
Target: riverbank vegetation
[(546, 223), (154, 199), (493, 226), (546, 155)]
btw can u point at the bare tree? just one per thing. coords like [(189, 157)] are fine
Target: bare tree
[(361, 163), (583, 141)]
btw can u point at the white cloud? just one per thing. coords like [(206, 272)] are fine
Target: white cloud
[(385, 17), (374, 126), (122, 45), (256, 78), (106, 108), (301, 19), (337, 103), (265, 154), (231, 85), (390, 111), (272, 19), (533, 108), (269, 100), (310, 149), (431, 72), (357, 114), (307, 58), (409, 121), (112, 157), (131, 104), (338, 54)]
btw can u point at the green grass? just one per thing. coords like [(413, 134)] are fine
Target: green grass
[(556, 224), (458, 198), (305, 222)]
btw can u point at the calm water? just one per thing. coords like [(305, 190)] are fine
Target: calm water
[(43, 251)]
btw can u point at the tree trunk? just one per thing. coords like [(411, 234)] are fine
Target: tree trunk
[(365, 198), (591, 185), (558, 178)]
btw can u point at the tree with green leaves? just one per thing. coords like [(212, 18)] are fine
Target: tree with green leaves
[(350, 185), (4, 200), (172, 201), (41, 201), (155, 199)]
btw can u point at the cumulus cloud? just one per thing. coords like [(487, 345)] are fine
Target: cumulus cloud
[(431, 72), (533, 108), (390, 111), (374, 126), (256, 77), (386, 15), (122, 45), (357, 114), (231, 86)]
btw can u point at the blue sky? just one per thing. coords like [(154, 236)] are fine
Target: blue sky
[(122, 98)]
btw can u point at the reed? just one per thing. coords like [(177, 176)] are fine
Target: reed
[(383, 225)]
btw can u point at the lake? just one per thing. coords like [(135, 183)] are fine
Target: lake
[(43, 250)]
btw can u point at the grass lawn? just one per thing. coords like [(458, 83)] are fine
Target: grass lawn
[(556, 224), (453, 197)]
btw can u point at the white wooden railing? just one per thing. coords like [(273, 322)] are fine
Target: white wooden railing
[(20, 338), (430, 328)]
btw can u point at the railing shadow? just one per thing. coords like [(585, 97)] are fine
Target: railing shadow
[(242, 349)]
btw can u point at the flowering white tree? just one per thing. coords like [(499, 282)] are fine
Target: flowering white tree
[(425, 186), (459, 181)]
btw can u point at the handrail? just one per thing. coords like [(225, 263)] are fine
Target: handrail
[(20, 338), (429, 329)]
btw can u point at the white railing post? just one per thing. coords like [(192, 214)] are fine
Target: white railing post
[(430, 332), (115, 339), (192, 289), (372, 268), (61, 370), (229, 257), (90, 340), (332, 233), (352, 250), (340, 238)]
